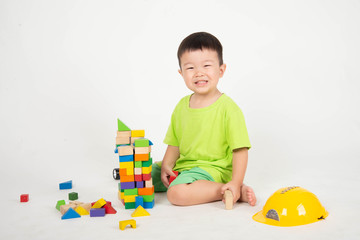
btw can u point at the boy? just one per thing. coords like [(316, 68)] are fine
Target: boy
[(207, 137)]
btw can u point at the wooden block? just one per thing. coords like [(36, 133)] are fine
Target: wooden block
[(141, 157), (70, 213), (60, 203), (229, 200), (142, 150), (146, 191), (128, 178), (138, 178), (140, 212), (65, 185), (122, 126), (129, 192), (86, 206), (146, 170), (142, 142), (146, 177), (137, 171), (129, 205), (149, 183), (128, 199), (99, 203), (73, 196), (122, 172), (24, 197), (123, 224), (109, 209), (65, 208), (125, 150), (148, 198), (127, 158), (147, 163), (149, 204), (97, 212), (126, 134), (138, 164), (82, 211), (139, 201), (133, 139), (138, 133), (122, 140)]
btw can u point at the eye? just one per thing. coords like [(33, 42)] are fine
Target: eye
[(207, 65), (189, 68)]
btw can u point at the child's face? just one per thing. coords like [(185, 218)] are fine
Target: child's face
[(201, 71)]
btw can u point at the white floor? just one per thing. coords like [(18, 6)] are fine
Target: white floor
[(38, 219)]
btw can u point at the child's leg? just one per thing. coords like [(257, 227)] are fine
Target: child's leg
[(201, 191), (247, 195)]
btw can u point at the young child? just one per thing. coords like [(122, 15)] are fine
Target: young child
[(207, 138)]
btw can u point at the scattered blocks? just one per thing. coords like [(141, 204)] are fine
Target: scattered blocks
[(70, 213), (65, 185), (24, 197), (123, 224), (140, 212), (73, 196), (60, 203), (97, 212)]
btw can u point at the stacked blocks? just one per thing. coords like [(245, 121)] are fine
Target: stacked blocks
[(135, 167)]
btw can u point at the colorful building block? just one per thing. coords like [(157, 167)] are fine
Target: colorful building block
[(59, 203), (73, 196), (140, 184), (127, 178), (140, 212), (127, 185), (147, 163), (146, 191), (97, 212), (122, 126), (229, 200), (141, 157), (122, 140), (138, 164), (123, 224), (129, 205), (130, 192), (148, 205), (139, 201), (149, 183), (24, 197), (148, 198), (126, 158), (146, 177), (142, 150), (125, 150), (81, 211), (146, 170), (141, 143), (109, 209), (123, 134), (70, 213), (65, 185), (99, 203), (172, 178), (138, 177), (138, 133)]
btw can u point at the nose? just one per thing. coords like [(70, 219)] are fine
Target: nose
[(199, 73)]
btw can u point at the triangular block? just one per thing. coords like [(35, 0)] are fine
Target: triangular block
[(140, 212), (122, 126), (82, 211), (109, 209), (70, 214)]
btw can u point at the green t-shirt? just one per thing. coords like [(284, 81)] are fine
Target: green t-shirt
[(207, 136)]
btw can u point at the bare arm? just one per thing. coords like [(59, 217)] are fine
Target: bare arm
[(240, 159), (171, 155)]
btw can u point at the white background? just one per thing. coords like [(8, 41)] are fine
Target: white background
[(69, 69)]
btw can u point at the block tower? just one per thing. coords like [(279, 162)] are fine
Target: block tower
[(136, 186)]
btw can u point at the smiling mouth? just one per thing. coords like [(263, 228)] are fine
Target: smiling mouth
[(201, 82)]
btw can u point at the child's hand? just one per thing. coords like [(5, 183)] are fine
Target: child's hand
[(234, 188), (166, 172)]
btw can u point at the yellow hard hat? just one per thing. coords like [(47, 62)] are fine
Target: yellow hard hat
[(291, 206)]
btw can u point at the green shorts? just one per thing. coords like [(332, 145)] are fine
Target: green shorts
[(185, 177)]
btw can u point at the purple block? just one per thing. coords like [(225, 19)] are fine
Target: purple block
[(97, 212), (127, 185), (140, 184)]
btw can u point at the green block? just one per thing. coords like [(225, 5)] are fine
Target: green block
[(148, 198), (59, 203), (73, 196), (138, 164), (130, 205), (121, 190), (142, 142), (131, 192), (147, 163), (122, 126)]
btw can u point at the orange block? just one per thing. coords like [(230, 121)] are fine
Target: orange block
[(127, 178), (146, 191), (122, 172), (141, 157)]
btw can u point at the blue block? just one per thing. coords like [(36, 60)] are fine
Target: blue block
[(127, 185), (116, 151), (150, 143), (128, 158), (65, 185), (149, 204), (140, 184), (71, 213), (139, 201)]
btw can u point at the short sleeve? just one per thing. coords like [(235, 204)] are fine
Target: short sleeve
[(170, 137), (236, 132)]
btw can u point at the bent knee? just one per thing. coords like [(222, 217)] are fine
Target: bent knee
[(177, 194)]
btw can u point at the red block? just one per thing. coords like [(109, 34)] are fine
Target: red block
[(24, 197), (109, 209), (146, 177), (138, 178), (172, 178)]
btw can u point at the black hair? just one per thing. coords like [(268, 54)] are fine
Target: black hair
[(200, 41)]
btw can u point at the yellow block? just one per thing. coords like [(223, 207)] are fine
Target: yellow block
[(123, 224), (129, 166), (138, 133), (101, 202), (82, 211), (146, 170), (140, 212), (130, 198)]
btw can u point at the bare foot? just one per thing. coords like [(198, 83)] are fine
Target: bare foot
[(247, 195)]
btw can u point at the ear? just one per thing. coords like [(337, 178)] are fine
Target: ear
[(180, 72), (222, 70)]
